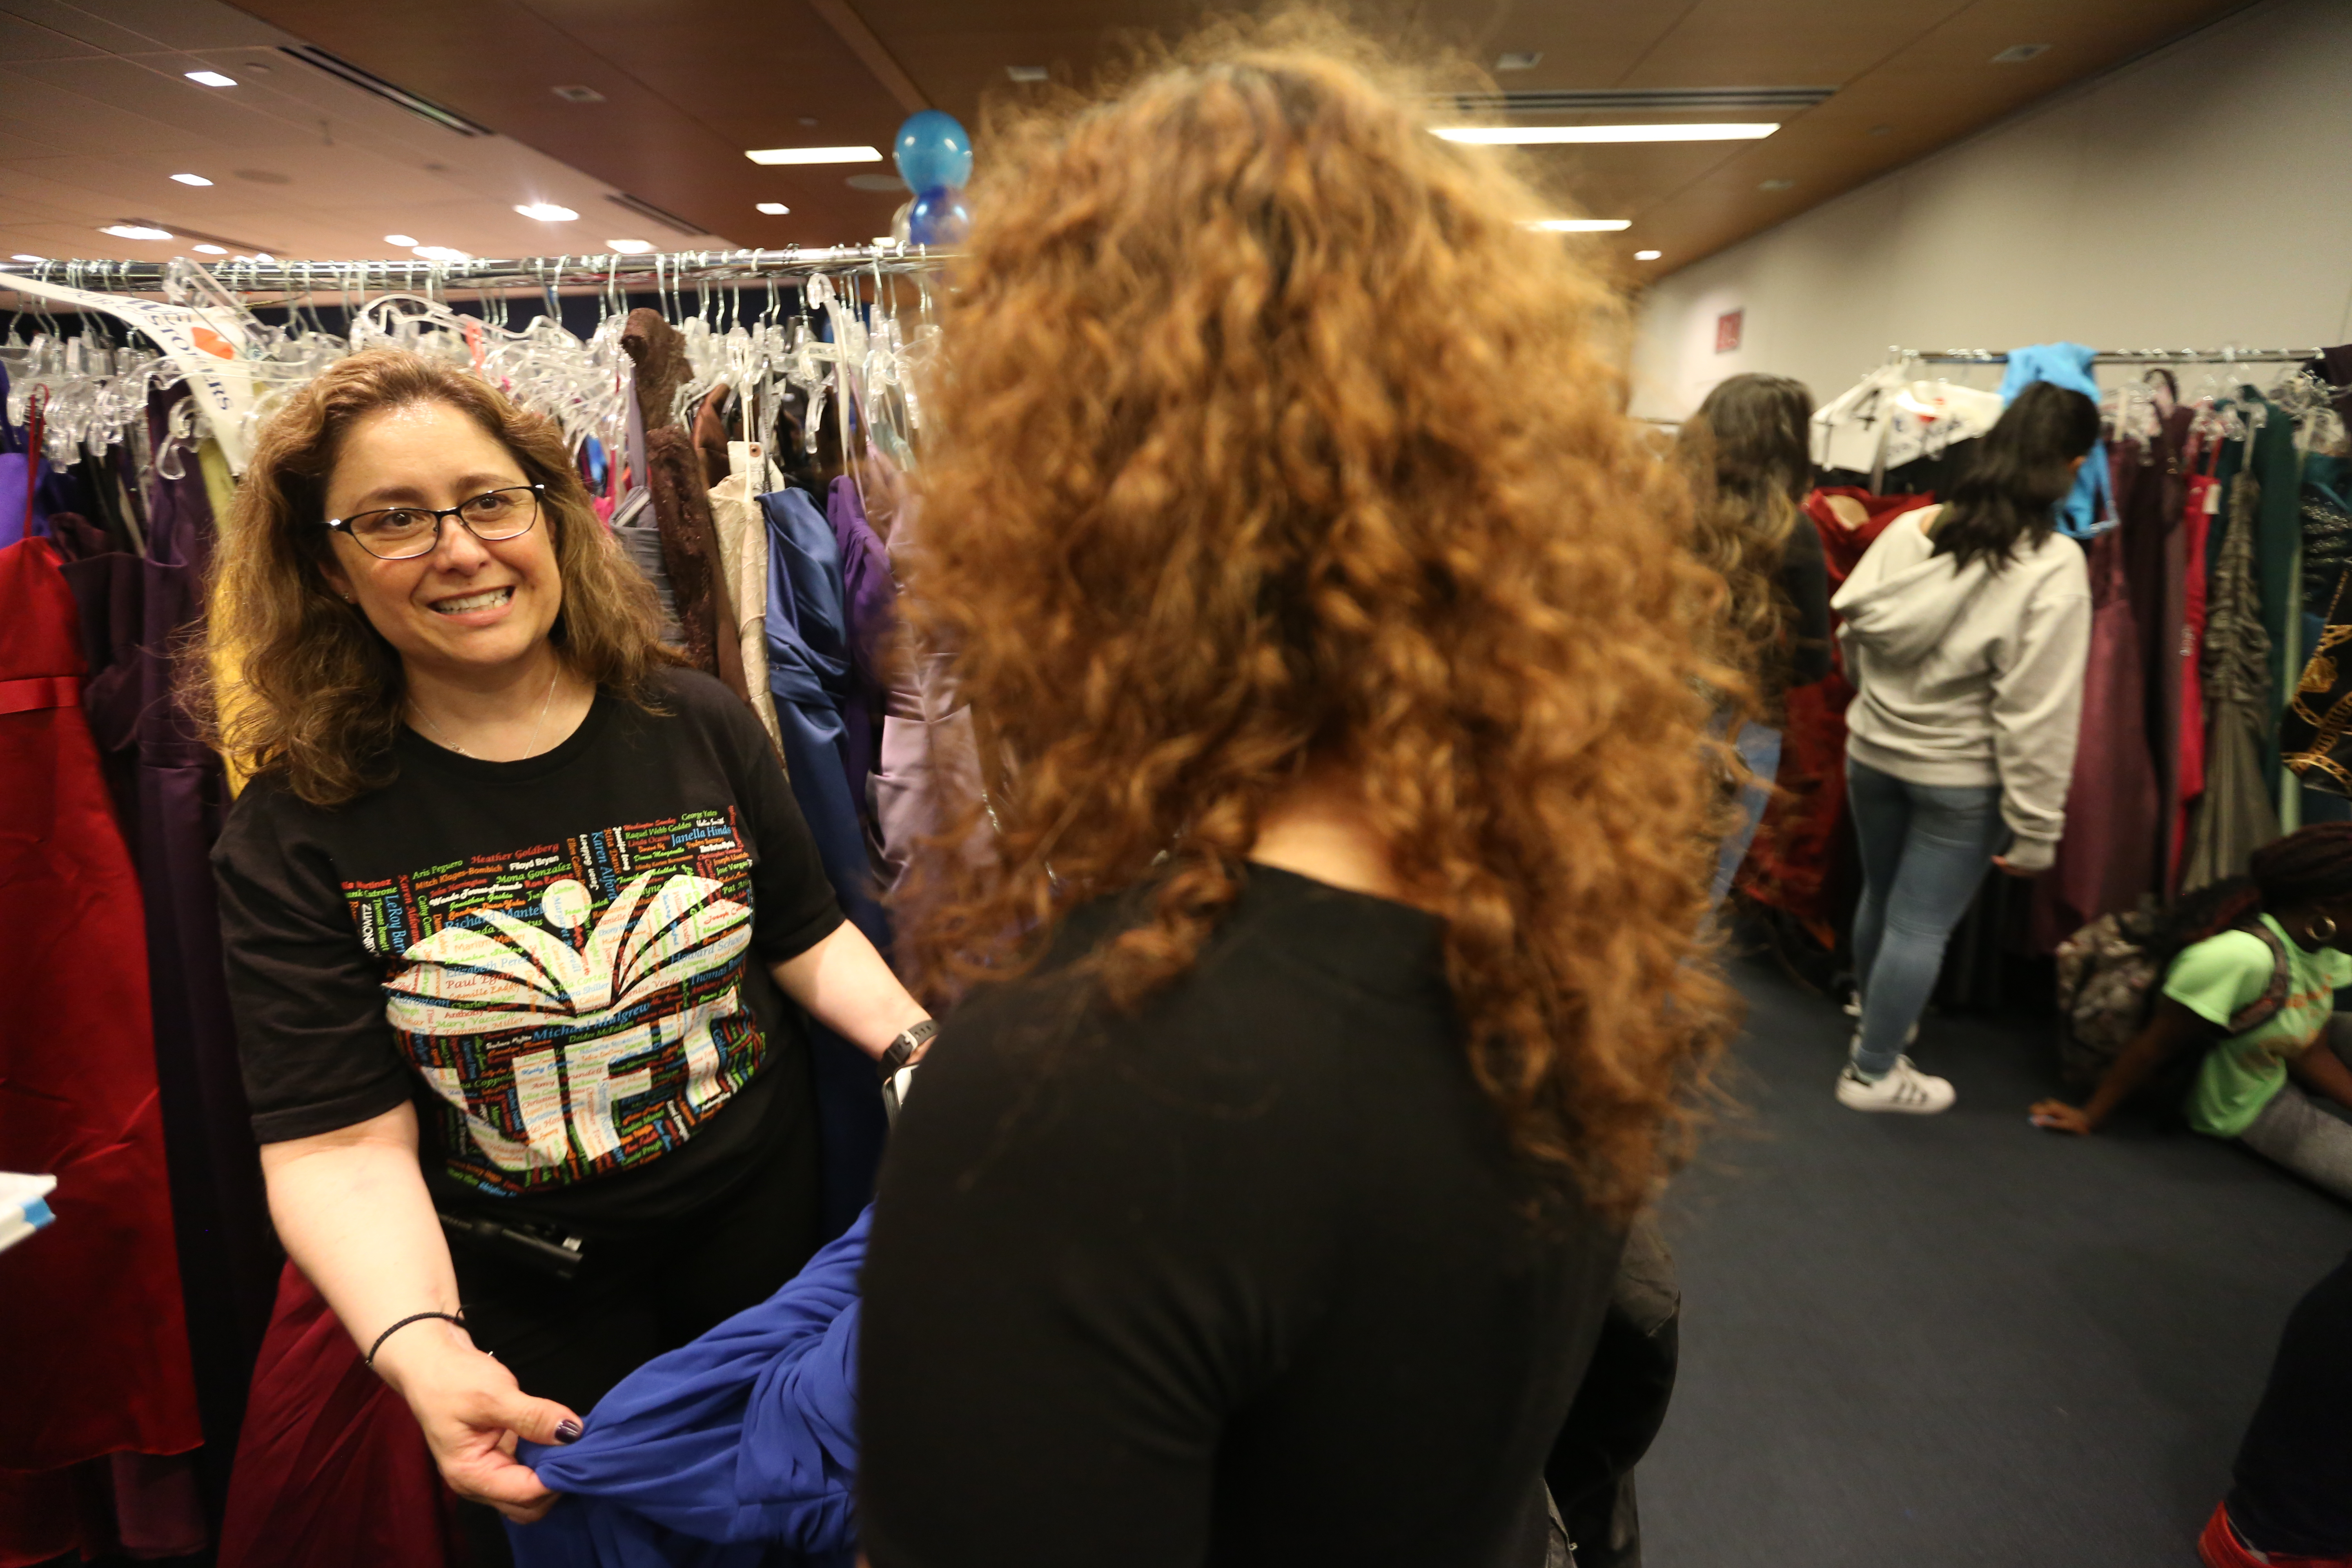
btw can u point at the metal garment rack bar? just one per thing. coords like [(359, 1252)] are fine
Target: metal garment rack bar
[(666, 268), (2116, 356)]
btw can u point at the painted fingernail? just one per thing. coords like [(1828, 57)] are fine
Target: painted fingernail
[(568, 1431)]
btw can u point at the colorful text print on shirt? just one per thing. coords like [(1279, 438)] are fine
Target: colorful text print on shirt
[(577, 1006)]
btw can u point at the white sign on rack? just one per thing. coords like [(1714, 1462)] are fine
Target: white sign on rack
[(202, 341)]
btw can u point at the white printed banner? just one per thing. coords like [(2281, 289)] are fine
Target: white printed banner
[(202, 341)]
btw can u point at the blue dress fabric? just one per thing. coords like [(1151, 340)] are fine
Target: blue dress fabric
[(2090, 508), (809, 673), (736, 1451)]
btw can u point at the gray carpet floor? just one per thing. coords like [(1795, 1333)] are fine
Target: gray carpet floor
[(1959, 1339)]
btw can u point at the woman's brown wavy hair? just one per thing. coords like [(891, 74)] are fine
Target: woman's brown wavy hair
[(1747, 454), (1271, 438), (301, 686)]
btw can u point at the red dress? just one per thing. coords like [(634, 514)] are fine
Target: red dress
[(91, 1307), (1789, 867), (332, 1467), (2204, 499)]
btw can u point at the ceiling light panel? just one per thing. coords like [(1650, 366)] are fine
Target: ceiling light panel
[(774, 209), (1647, 254), (547, 212), (814, 155), (1695, 101), (135, 231), (630, 247), (401, 240), (1563, 135), (210, 79), (191, 179)]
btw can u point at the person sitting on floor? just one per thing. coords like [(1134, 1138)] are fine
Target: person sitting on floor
[(2260, 1082)]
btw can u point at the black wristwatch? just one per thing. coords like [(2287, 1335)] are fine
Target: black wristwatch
[(902, 1050)]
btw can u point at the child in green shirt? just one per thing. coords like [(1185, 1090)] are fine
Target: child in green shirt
[(2262, 1083)]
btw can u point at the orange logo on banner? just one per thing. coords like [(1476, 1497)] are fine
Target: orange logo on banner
[(213, 343)]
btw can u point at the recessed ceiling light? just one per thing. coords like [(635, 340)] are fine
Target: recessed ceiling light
[(577, 94), (210, 79), (1778, 185), (815, 154), (433, 253), (265, 256), (1552, 135), (631, 247), (20, 256), (135, 231), (2019, 54), (774, 209), (1647, 254), (1029, 73), (547, 212), (1581, 224), (191, 179), (403, 240), (1520, 60), (210, 249)]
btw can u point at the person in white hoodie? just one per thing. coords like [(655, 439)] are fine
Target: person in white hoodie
[(1966, 626)]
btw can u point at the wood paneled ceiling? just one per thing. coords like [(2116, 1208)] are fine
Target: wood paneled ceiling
[(682, 87)]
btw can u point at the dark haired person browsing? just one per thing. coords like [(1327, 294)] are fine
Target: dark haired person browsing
[(1966, 627), (1747, 454)]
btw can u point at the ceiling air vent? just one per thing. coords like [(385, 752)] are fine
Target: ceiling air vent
[(424, 109), (1634, 100), (646, 209)]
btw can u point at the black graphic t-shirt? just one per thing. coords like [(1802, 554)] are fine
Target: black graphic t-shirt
[(564, 961)]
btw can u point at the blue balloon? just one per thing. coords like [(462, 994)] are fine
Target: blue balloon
[(938, 218), (933, 152)]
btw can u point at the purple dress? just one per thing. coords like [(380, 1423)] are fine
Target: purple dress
[(869, 600)]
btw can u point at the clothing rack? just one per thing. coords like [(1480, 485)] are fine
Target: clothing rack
[(2116, 356), (663, 269)]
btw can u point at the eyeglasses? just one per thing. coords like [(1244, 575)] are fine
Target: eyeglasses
[(403, 533)]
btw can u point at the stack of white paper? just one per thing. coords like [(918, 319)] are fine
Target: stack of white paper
[(23, 1206)]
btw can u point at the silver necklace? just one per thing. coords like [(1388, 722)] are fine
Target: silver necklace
[(443, 736)]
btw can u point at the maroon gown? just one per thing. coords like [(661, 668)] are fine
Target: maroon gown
[(91, 1307)]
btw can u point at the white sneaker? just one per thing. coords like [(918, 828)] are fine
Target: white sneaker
[(1905, 1091)]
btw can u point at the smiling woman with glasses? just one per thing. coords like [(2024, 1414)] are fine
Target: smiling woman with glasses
[(517, 913)]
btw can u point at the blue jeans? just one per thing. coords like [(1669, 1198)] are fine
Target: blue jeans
[(1924, 847), (1759, 747)]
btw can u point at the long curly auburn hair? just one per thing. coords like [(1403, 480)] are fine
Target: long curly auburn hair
[(292, 681), (1272, 439)]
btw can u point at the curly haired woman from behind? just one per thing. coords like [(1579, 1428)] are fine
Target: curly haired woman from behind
[(1328, 1000)]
